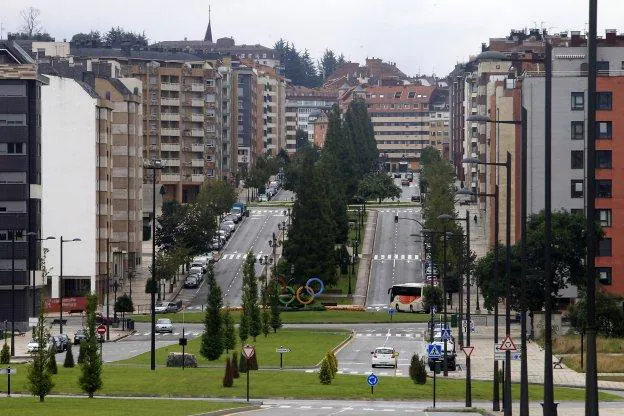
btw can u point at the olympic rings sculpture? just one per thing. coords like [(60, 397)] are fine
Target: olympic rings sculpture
[(305, 295)]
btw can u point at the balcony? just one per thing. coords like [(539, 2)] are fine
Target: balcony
[(197, 87), (195, 102), (165, 147), (170, 177), (171, 162), (197, 163), (197, 133), (170, 116), (170, 101), (197, 117), (169, 132), (168, 86), (197, 148), (197, 178)]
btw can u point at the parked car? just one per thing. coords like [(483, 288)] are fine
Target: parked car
[(200, 261), (56, 344), (384, 356), (216, 243), (397, 175), (167, 307), (64, 340), (415, 198), (409, 176), (79, 336), (263, 198), (164, 325), (242, 207), (32, 346), (191, 282), (224, 235), (271, 191), (228, 225), (196, 270), (405, 182), (236, 214), (103, 320)]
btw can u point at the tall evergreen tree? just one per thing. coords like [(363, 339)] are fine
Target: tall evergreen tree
[(250, 318), (91, 367), (39, 377), (276, 320), (359, 130), (212, 338), (328, 63), (229, 333)]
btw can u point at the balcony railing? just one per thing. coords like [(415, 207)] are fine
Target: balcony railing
[(171, 162), (170, 177), (197, 148), (170, 116), (169, 132), (197, 163), (164, 147), (168, 86), (170, 101), (197, 117), (197, 178)]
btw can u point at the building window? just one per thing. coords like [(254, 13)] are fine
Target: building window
[(411, 94), (577, 159), (604, 247), (603, 159), (604, 217), (604, 275), (605, 129), (578, 101), (12, 119), (12, 148), (603, 188), (604, 100), (576, 188), (578, 130)]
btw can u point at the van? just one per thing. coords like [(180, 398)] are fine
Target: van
[(242, 207), (200, 261)]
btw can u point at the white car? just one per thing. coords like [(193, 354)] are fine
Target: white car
[(263, 198), (32, 346), (384, 356), (164, 325)]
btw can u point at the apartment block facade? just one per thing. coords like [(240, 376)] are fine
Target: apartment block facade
[(20, 184), (302, 104)]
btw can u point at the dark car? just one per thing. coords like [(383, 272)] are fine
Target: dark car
[(103, 320), (415, 198), (56, 344), (397, 175), (79, 336)]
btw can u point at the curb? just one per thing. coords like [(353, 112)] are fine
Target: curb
[(338, 347), (368, 272), (458, 410), (232, 410), (124, 336)]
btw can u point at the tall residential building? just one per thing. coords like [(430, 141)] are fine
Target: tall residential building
[(406, 119), (20, 183), (244, 115), (77, 174), (272, 115), (301, 103)]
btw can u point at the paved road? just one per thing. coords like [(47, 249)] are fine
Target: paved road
[(283, 195), (396, 254), (406, 339), (253, 233)]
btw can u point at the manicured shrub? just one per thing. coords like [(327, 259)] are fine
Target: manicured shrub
[(69, 357), (418, 370), (325, 374), (228, 381)]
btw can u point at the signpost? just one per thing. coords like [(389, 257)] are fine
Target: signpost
[(248, 352), (446, 334), (32, 322), (101, 330), (182, 341), (372, 381), (8, 371), (468, 350), (434, 352), (508, 344), (281, 350), (499, 355)]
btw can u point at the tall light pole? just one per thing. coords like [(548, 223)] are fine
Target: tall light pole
[(153, 165), (108, 243), (13, 232), (61, 280), (34, 286)]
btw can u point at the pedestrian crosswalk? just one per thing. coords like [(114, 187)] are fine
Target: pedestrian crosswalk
[(401, 211), (238, 256), (166, 334), (381, 334), (396, 257), (279, 212)]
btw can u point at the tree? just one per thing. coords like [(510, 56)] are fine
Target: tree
[(229, 333), (31, 24), (328, 63), (242, 363), (253, 362), (117, 37), (168, 222), (228, 380), (358, 128), (52, 367), (276, 320), (251, 309), (124, 305), (217, 195), (235, 373), (418, 370), (432, 296), (5, 354), (212, 338), (609, 314), (325, 374), (69, 357), (39, 377), (197, 228), (81, 353), (93, 39), (378, 186), (266, 322), (91, 367)]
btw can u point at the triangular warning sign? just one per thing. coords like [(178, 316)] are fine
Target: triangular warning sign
[(467, 351), (507, 344)]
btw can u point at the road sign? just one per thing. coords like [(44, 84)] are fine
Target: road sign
[(101, 329), (467, 350), (372, 380), (8, 371), (248, 351), (391, 311), (465, 325), (446, 334), (32, 322), (434, 351), (516, 356), (282, 350), (499, 355), (508, 345)]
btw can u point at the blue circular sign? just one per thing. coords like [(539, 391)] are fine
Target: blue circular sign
[(391, 311), (372, 380)]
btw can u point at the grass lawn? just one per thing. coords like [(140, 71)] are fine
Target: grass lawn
[(207, 382), (606, 363), (30, 406), (571, 344), (307, 348), (307, 317)]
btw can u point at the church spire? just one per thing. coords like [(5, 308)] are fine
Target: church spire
[(208, 35)]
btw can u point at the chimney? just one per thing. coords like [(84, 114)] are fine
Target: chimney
[(611, 37), (483, 47), (575, 38)]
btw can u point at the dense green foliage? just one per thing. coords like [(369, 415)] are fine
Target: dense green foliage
[(212, 338), (300, 68), (39, 377), (5, 354), (378, 186), (418, 370), (609, 314), (432, 296), (91, 366), (228, 378), (251, 321), (69, 357), (116, 37), (229, 333), (325, 373)]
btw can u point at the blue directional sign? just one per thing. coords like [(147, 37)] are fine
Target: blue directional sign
[(516, 356), (391, 311), (372, 380), (434, 351), (446, 334)]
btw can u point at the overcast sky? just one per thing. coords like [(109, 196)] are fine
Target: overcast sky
[(421, 36)]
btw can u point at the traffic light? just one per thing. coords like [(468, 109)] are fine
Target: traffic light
[(396, 219)]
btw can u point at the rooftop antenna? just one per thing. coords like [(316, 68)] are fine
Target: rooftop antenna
[(1, 30)]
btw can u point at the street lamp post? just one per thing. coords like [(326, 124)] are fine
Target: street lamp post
[(34, 286), (153, 165), (13, 292), (108, 243), (495, 395), (61, 280)]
